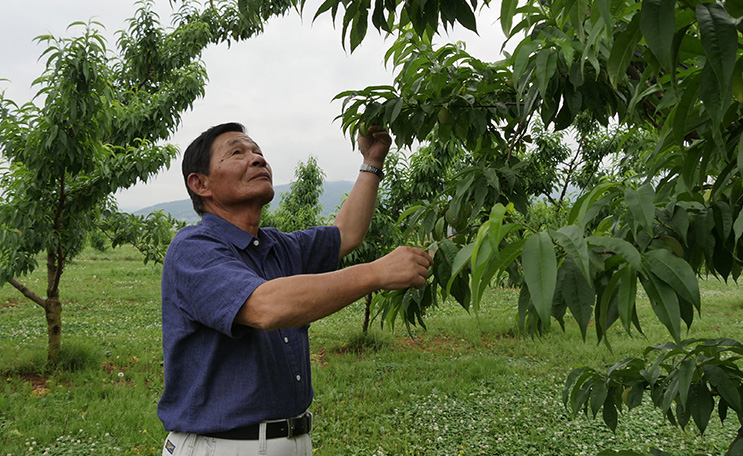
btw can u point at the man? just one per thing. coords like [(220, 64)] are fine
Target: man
[(237, 300)]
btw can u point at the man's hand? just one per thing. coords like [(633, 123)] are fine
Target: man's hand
[(374, 147), (403, 267)]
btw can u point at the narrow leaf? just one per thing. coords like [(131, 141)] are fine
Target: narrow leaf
[(626, 295), (571, 239), (578, 294), (623, 50), (507, 11), (619, 247), (720, 41), (540, 273), (640, 203), (658, 26), (675, 272)]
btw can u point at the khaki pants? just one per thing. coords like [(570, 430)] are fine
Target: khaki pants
[(181, 444)]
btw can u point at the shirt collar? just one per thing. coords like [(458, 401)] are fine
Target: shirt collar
[(232, 234)]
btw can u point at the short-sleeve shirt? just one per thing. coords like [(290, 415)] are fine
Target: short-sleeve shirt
[(219, 375)]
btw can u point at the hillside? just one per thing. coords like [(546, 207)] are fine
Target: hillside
[(332, 196)]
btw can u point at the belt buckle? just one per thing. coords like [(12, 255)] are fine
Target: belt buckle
[(292, 423)]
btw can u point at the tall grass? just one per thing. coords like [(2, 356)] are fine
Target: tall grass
[(469, 385)]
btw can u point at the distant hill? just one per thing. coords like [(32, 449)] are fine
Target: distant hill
[(332, 196)]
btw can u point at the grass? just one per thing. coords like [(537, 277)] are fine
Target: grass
[(469, 385)]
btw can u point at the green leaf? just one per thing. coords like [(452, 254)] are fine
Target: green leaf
[(720, 41), (701, 405), (685, 373), (626, 295), (507, 11), (598, 396), (677, 273), (572, 240), (546, 65), (460, 261), (738, 226), (640, 203), (720, 380), (508, 255), (619, 247), (610, 414), (723, 215), (658, 27), (623, 50), (664, 302), (540, 273), (685, 109), (578, 293)]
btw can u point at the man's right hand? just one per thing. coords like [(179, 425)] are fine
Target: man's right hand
[(403, 267)]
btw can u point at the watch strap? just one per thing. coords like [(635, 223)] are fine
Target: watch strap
[(365, 167)]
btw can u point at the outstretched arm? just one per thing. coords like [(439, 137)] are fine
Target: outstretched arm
[(301, 299), (355, 215)]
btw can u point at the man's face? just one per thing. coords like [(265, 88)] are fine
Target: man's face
[(239, 174)]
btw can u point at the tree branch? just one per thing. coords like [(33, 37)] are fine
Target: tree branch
[(28, 293)]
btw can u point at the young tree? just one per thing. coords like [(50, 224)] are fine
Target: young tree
[(98, 129), (300, 207)]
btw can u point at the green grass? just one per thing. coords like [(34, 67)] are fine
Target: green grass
[(469, 385)]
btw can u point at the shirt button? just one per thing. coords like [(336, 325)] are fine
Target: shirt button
[(256, 242), (286, 340), (299, 377)]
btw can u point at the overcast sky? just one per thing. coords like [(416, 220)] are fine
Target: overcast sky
[(280, 84)]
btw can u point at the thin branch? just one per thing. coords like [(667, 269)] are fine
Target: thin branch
[(28, 293)]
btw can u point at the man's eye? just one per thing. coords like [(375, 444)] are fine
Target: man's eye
[(236, 152)]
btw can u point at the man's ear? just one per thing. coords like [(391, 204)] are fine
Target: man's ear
[(199, 184)]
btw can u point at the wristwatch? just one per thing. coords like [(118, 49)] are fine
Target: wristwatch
[(365, 167)]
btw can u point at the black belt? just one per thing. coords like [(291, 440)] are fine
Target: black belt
[(274, 429)]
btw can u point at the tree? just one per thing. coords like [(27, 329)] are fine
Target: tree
[(300, 207), (97, 130), (673, 69), (682, 215)]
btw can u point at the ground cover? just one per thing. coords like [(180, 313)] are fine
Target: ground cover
[(469, 385)]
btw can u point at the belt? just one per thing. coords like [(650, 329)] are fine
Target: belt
[(289, 428)]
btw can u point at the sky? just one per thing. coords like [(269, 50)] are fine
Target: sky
[(279, 84)]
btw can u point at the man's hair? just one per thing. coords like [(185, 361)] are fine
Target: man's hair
[(198, 155)]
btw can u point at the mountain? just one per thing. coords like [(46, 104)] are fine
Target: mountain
[(331, 198)]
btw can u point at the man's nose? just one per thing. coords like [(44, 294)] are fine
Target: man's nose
[(258, 160)]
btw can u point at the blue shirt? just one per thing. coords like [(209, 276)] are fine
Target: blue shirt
[(220, 375)]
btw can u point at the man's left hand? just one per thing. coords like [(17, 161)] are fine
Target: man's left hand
[(374, 147)]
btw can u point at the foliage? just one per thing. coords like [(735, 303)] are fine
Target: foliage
[(686, 381), (98, 129), (682, 214), (562, 165), (422, 176), (300, 207), (671, 69), (150, 234)]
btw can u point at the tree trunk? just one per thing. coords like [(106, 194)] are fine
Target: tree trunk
[(367, 314), (736, 447), (54, 329), (52, 307)]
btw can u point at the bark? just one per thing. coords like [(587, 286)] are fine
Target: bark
[(54, 329), (27, 293), (367, 313), (53, 308)]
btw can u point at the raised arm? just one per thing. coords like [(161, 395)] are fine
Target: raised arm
[(355, 215)]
